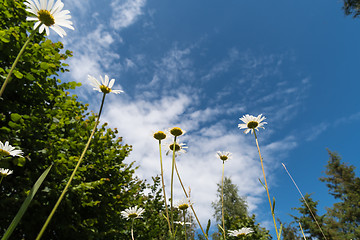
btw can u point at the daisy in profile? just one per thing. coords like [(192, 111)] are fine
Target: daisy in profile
[(4, 172), (176, 131), (240, 232), (159, 135), (224, 156), (6, 150), (49, 15), (179, 148), (184, 204), (105, 85), (132, 212), (250, 123)]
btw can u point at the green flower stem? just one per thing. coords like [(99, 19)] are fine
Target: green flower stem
[(73, 173), (184, 213), (163, 187), (222, 200), (17, 60), (172, 186), (132, 229), (266, 186), (192, 208), (2, 177)]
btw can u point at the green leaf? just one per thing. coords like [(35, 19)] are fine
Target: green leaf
[(44, 65), (25, 204), (15, 117), (18, 74)]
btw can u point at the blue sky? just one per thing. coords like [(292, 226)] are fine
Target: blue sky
[(201, 65)]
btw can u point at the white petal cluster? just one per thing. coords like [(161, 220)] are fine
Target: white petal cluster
[(5, 172), (251, 122), (184, 203), (240, 232), (224, 156), (6, 149), (132, 212), (105, 84), (60, 17)]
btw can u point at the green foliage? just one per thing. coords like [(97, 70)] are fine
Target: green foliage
[(342, 220), (352, 7), (51, 127), (235, 213)]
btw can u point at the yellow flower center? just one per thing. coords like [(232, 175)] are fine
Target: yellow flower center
[(105, 89), (46, 18), (241, 234), (224, 157), (177, 147), (183, 206), (160, 135), (252, 124), (4, 153), (132, 215), (176, 131)]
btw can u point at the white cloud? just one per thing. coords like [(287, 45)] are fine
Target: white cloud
[(125, 12), (199, 168)]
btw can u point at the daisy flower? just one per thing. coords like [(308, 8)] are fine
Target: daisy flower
[(223, 155), (184, 204), (159, 135), (5, 172), (240, 232), (105, 85), (176, 131), (132, 212), (179, 148), (6, 150), (47, 14), (182, 223), (251, 123)]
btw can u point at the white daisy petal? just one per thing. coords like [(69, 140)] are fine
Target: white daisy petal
[(103, 85), (50, 15), (8, 150), (251, 122), (132, 212)]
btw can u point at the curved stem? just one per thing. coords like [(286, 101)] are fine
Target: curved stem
[(266, 186), (182, 185), (73, 173), (2, 177), (163, 187), (222, 199), (17, 60)]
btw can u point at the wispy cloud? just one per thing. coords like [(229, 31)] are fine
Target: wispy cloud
[(125, 12)]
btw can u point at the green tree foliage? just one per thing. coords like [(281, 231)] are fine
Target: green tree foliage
[(235, 213), (352, 7), (50, 126), (342, 220)]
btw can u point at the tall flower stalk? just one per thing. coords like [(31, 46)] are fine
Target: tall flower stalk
[(161, 136), (223, 157), (250, 124), (105, 88)]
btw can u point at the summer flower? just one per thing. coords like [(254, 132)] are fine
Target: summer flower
[(5, 172), (240, 232), (132, 212), (105, 85), (251, 123), (224, 155), (48, 15), (179, 148), (176, 131), (184, 204), (159, 135), (6, 150)]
